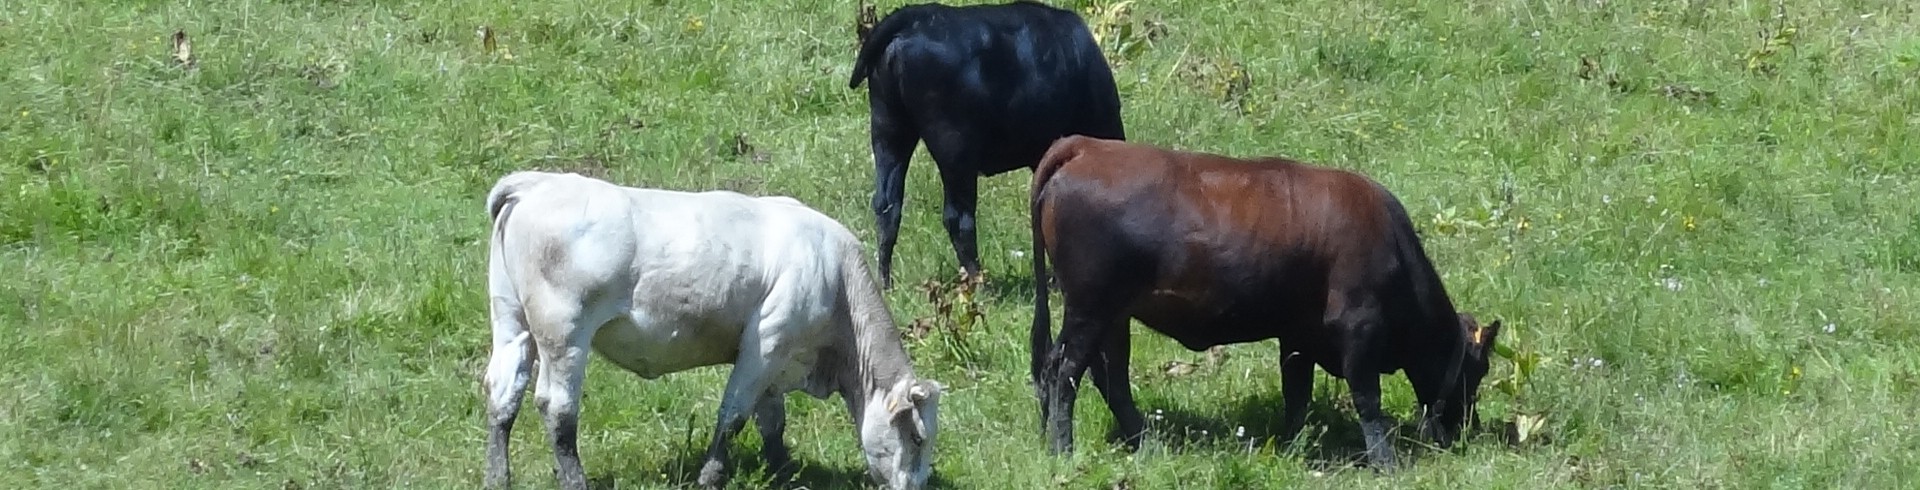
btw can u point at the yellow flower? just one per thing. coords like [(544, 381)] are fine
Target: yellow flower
[(695, 24), (1793, 378), (1688, 222)]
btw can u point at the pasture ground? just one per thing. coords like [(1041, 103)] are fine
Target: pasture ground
[(1697, 219)]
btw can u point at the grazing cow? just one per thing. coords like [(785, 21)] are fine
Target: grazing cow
[(658, 282), (1211, 250), (988, 87)]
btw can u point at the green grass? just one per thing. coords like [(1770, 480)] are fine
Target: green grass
[(266, 271)]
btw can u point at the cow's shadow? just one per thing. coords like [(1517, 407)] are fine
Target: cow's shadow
[(749, 471), (1012, 286), (1330, 440)]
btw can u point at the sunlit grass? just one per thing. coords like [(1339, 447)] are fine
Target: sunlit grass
[(264, 271)]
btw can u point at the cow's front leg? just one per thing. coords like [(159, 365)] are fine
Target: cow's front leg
[(1296, 387), (1359, 320), (1363, 380), (1375, 425), (771, 418), (742, 395)]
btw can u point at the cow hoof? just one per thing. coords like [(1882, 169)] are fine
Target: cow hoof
[(1382, 463), (713, 474), (777, 458)]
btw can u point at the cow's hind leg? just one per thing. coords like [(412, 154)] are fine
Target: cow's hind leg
[(1079, 341), (894, 138), (506, 383), (1296, 388), (1110, 377), (508, 369), (771, 418), (961, 186), (564, 345)]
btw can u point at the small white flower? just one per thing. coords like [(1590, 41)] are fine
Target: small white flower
[(1672, 284), (1240, 431), (1017, 253), (1651, 200), (1829, 328), (1606, 199)]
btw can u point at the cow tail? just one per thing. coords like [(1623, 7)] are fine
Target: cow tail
[(503, 191), (881, 37), (1062, 151), (506, 310)]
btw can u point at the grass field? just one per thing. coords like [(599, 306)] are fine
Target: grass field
[(1697, 219)]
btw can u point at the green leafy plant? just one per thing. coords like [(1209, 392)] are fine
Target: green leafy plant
[(1765, 59), (1119, 33), (1523, 424), (956, 315)]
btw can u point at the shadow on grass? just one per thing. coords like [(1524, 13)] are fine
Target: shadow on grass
[(1331, 439), (1014, 285), (747, 470)]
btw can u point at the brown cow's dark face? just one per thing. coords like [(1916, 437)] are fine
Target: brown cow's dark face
[(1474, 367)]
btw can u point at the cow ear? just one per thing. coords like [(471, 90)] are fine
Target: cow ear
[(1483, 338), (923, 391)]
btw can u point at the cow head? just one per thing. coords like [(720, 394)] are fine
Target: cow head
[(897, 431), (1454, 412)]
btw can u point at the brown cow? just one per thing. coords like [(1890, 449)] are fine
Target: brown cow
[(1211, 250)]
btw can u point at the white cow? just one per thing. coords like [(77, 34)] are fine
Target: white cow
[(661, 281)]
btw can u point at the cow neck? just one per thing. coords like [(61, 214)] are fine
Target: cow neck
[(879, 361)]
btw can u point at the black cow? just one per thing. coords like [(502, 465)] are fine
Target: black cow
[(1211, 250), (988, 87)]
